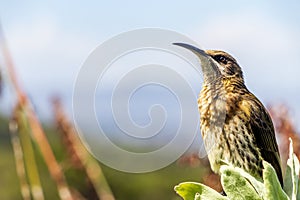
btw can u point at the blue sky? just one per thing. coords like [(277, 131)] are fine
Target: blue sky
[(50, 40)]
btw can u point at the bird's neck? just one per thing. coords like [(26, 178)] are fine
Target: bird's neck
[(225, 84), (232, 84)]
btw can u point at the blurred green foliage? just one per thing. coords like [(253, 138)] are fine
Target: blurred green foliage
[(146, 186)]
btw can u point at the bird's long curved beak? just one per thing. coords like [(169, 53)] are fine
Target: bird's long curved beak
[(209, 67), (194, 49)]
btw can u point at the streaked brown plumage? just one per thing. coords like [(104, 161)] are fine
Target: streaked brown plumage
[(235, 125)]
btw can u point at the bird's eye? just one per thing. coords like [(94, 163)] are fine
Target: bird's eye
[(221, 59)]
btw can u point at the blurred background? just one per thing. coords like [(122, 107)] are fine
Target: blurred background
[(48, 43)]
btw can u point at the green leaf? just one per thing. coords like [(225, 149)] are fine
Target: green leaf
[(291, 180), (298, 193), (257, 183), (236, 185), (273, 188), (189, 190)]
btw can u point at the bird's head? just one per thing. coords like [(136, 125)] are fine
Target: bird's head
[(227, 65), (221, 62)]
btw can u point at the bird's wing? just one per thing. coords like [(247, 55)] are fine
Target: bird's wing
[(263, 130)]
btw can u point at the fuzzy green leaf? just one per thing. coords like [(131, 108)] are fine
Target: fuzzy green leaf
[(273, 188), (291, 180), (236, 185), (189, 190), (257, 183), (298, 193)]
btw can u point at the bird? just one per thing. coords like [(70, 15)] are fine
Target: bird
[(235, 125)]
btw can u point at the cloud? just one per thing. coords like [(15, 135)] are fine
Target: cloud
[(47, 55), (45, 37), (248, 28), (31, 38)]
